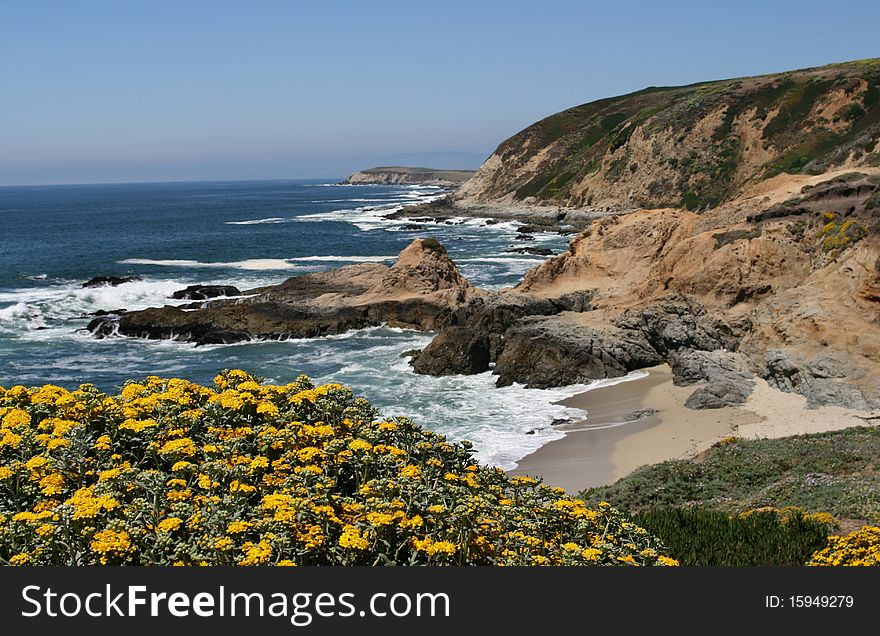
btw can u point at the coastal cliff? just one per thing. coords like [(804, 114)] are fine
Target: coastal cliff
[(741, 240), (401, 175), (691, 146)]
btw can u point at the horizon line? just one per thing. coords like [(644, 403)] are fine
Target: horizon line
[(162, 181)]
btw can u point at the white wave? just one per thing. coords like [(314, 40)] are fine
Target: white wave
[(343, 259), (14, 312), (252, 264), (534, 260), (270, 220), (629, 377), (383, 200), (45, 313)]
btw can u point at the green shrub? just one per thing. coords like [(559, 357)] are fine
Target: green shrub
[(837, 236), (707, 537), (171, 472), (837, 472)]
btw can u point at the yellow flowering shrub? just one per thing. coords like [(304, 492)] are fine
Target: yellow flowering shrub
[(861, 547), (171, 472)]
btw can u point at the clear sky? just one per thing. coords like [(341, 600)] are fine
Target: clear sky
[(131, 91)]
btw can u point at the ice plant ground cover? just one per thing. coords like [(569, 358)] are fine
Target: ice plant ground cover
[(171, 472)]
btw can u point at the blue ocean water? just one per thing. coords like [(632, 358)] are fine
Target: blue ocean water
[(171, 235)]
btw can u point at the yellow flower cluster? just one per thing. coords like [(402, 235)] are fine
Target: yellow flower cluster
[(791, 513), (861, 547), (171, 472)]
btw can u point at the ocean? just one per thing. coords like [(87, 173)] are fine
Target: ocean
[(247, 234)]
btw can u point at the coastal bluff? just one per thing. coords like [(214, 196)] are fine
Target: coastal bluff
[(402, 175), (729, 229)]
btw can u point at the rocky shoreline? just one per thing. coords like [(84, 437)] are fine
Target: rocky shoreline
[(755, 289)]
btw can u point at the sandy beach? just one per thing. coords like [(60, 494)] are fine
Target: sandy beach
[(611, 443)]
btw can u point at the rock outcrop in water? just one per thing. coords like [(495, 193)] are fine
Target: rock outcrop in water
[(109, 281), (422, 290), (204, 292)]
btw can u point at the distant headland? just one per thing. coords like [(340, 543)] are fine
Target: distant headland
[(396, 175)]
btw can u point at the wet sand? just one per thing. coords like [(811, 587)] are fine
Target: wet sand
[(609, 445)]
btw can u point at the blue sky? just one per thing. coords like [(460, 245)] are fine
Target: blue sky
[(133, 91)]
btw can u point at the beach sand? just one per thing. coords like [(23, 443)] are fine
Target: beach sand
[(609, 445)]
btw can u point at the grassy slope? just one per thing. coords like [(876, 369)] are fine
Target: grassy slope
[(834, 472), (593, 137)]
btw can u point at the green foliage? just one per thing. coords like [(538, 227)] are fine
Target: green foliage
[(838, 235), (616, 167), (534, 186), (836, 472), (171, 472), (796, 105), (853, 112), (610, 122), (589, 137), (872, 96), (433, 245), (726, 238), (704, 537), (691, 200)]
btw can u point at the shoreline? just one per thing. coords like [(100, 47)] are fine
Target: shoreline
[(607, 445)]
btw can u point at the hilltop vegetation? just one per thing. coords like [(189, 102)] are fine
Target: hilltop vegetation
[(691, 146)]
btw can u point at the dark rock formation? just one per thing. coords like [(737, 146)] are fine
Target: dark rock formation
[(533, 229), (822, 381), (456, 350), (536, 251), (577, 301), (204, 292), (422, 290), (109, 281), (542, 353), (677, 322), (555, 351), (727, 383)]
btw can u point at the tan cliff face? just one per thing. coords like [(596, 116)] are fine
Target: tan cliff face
[(696, 146), (803, 272), (758, 199)]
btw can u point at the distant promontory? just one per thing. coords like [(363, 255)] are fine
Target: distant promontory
[(395, 175)]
